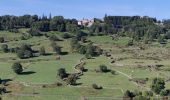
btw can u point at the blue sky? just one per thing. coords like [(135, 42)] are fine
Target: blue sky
[(87, 8)]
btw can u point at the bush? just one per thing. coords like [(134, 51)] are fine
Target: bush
[(42, 50), (25, 51), (17, 68), (62, 73), (4, 48), (164, 92), (113, 72), (66, 35), (103, 68), (95, 86), (24, 54), (54, 38), (34, 32), (82, 49), (128, 94), (2, 40), (56, 48), (158, 85)]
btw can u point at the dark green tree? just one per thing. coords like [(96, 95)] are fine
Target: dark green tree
[(158, 85), (17, 68), (62, 73)]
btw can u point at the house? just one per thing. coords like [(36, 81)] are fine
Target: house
[(86, 22)]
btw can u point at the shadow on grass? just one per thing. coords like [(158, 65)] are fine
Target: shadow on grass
[(27, 73), (85, 70), (6, 80), (76, 84), (64, 53)]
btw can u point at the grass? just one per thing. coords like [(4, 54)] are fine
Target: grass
[(45, 69), (42, 75), (108, 40)]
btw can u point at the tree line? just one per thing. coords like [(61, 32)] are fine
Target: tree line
[(38, 23), (139, 28)]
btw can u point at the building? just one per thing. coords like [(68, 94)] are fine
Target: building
[(86, 22)]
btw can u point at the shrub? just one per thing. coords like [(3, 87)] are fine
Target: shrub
[(4, 48), (128, 94), (95, 86), (55, 47), (158, 84), (34, 32), (113, 72), (25, 51), (17, 68), (62, 73), (82, 49), (2, 40), (24, 54), (66, 35), (103, 68), (42, 50), (164, 92), (59, 84), (54, 38)]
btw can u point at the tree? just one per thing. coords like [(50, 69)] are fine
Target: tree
[(57, 24), (82, 49), (103, 68), (42, 50), (2, 40), (128, 95), (4, 48), (17, 68), (62, 73), (158, 84), (164, 92), (25, 51)]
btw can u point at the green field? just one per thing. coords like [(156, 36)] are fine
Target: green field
[(44, 69)]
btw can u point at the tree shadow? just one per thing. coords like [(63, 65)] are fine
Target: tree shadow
[(27, 73), (48, 54), (76, 84), (64, 53), (85, 70), (8, 91), (6, 80)]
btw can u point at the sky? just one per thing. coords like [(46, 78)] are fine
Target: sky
[(80, 9)]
